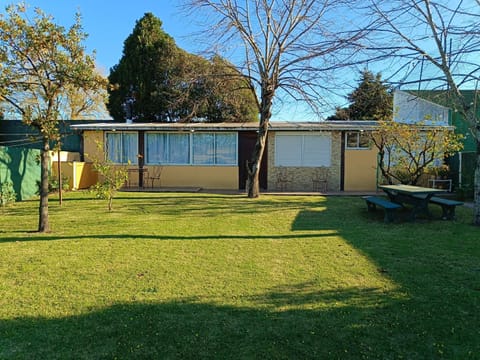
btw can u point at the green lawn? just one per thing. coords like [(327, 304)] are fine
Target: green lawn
[(190, 276)]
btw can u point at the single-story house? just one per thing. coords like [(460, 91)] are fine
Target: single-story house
[(299, 156)]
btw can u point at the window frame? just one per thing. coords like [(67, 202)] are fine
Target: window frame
[(123, 161), (193, 158), (358, 142)]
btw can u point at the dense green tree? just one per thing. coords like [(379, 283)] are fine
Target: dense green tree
[(169, 84), (371, 100), (214, 91), (40, 62), (341, 113), (146, 68)]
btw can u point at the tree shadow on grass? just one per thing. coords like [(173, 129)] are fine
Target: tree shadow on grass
[(122, 237), (433, 262), (284, 323)]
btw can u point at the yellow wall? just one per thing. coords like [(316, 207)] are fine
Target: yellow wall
[(360, 170), (206, 177), (90, 147)]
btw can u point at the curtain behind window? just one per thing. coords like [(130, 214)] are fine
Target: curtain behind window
[(178, 149), (122, 148), (226, 149), (203, 149)]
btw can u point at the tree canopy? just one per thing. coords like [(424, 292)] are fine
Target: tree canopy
[(41, 62), (371, 100), (168, 84), (407, 151), (436, 44)]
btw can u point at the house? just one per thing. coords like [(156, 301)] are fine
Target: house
[(325, 156), (299, 156)]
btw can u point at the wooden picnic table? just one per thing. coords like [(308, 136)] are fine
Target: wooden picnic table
[(416, 196)]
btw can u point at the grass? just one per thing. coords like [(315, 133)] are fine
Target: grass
[(193, 276)]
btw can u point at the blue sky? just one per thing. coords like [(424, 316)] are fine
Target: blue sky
[(109, 22)]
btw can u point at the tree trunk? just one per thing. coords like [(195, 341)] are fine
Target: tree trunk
[(253, 167), (476, 207), (43, 224)]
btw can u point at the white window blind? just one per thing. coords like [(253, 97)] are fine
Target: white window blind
[(304, 150)]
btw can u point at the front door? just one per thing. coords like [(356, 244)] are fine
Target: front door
[(246, 145)]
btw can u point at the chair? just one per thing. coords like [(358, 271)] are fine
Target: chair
[(155, 174), (319, 180), (282, 179)]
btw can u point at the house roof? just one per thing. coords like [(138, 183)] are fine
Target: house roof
[(247, 126)]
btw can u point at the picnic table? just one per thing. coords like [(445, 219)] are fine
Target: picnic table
[(416, 196)]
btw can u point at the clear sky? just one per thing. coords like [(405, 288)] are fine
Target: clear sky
[(109, 22)]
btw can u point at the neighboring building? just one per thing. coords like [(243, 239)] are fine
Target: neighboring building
[(435, 105)]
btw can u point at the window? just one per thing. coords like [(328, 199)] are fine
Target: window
[(305, 150), (121, 147), (226, 149), (193, 148), (357, 140), (204, 149), (167, 148)]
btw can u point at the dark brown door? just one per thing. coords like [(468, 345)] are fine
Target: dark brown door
[(246, 144)]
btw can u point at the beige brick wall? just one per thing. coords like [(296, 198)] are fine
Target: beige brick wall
[(301, 178)]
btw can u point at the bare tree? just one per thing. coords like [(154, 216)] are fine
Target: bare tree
[(287, 46), (436, 45)]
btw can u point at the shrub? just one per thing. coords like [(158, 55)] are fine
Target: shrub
[(7, 193)]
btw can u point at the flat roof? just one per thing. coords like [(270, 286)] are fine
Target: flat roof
[(246, 126)]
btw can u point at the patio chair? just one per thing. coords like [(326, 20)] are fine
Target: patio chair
[(282, 179), (155, 175), (319, 180)]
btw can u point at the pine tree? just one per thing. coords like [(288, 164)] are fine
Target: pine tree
[(372, 99), (168, 84)]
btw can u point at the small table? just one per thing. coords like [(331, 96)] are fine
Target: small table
[(416, 196), (141, 172)]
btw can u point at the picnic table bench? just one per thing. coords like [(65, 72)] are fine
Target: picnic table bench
[(389, 206), (448, 206)]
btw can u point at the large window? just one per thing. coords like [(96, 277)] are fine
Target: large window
[(122, 147), (305, 150), (191, 149), (167, 148)]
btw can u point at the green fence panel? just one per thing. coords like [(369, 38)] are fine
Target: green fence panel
[(21, 167)]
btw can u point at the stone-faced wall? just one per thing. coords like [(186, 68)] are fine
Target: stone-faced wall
[(286, 178)]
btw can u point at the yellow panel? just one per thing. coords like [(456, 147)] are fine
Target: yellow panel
[(80, 175), (360, 170), (85, 175)]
